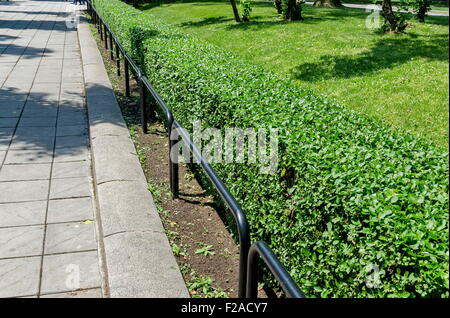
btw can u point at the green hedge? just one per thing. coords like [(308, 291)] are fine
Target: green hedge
[(350, 192)]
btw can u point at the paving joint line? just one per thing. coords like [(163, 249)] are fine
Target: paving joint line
[(53, 159), (48, 254)]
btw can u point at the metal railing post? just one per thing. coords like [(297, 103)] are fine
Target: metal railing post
[(100, 26), (244, 246), (173, 159), (105, 31), (143, 97), (127, 77), (111, 46), (118, 59)]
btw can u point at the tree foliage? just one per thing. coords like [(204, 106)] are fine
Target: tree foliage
[(419, 7)]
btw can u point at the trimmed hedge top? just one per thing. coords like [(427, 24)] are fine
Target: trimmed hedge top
[(355, 210)]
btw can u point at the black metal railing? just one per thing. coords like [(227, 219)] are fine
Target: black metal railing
[(248, 276)]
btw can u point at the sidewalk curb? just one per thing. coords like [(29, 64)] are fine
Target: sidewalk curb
[(139, 259)]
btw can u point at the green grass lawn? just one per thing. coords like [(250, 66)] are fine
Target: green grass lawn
[(402, 79)]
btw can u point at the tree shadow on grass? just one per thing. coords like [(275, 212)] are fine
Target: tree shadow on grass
[(157, 3), (206, 21), (258, 22), (438, 20), (385, 54)]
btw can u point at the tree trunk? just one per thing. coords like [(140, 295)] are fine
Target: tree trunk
[(293, 11), (388, 14), (235, 11), (278, 6), (422, 10), (390, 18), (328, 3)]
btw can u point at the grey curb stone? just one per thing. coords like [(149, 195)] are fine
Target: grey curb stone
[(127, 208), (161, 279), (139, 260), (117, 161)]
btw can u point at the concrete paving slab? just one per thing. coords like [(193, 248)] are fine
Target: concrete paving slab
[(28, 156), (72, 120), (9, 122), (24, 172), (36, 131), (20, 191), (72, 102), (11, 103), (37, 122), (4, 143), (6, 131), (71, 154), (69, 188), (74, 130), (71, 141), (70, 237), (12, 96), (41, 104), (39, 112), (70, 210), (32, 143), (74, 113), (70, 170), (70, 272), (21, 241), (24, 213), (19, 276), (7, 111)]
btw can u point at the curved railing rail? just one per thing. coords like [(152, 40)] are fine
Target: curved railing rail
[(175, 129), (282, 276)]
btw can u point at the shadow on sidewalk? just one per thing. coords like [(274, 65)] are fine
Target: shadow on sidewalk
[(37, 124)]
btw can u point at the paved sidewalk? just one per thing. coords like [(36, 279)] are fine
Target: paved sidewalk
[(48, 246)]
